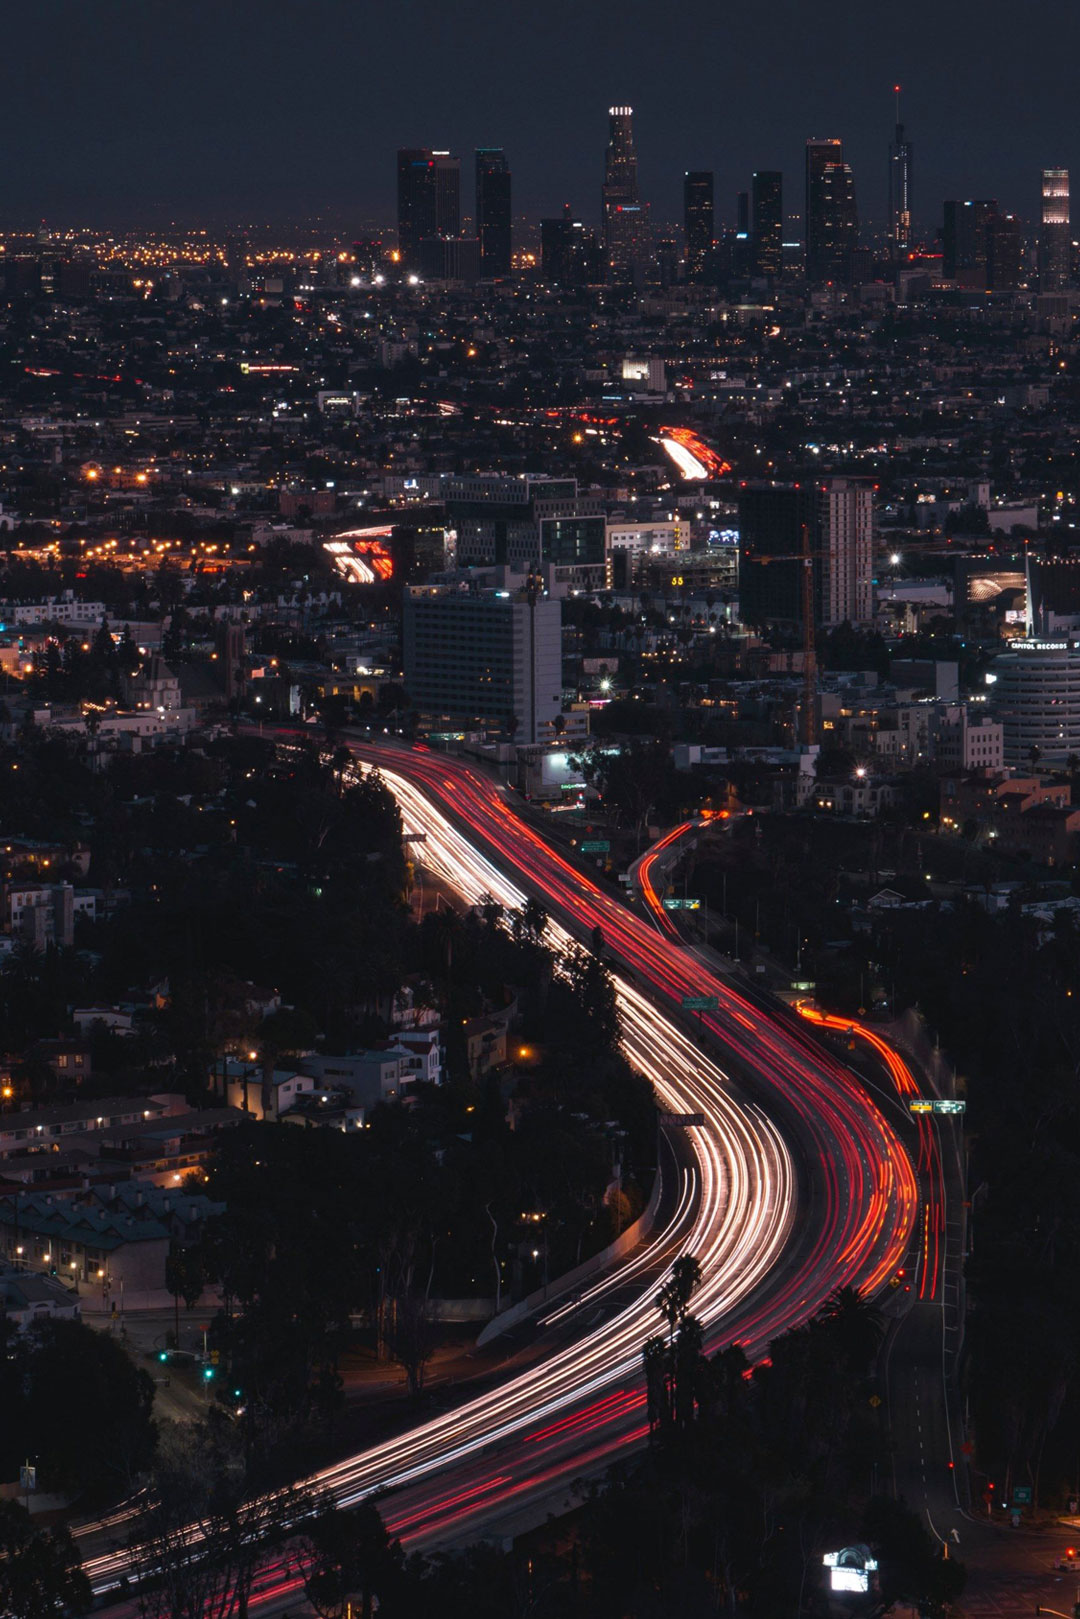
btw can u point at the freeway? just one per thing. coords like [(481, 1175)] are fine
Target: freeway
[(773, 1237)]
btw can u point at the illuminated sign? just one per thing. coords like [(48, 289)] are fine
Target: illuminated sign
[(850, 1570)]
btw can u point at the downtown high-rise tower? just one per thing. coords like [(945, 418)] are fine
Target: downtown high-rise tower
[(625, 216)]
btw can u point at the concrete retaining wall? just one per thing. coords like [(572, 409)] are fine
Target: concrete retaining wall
[(629, 1239)]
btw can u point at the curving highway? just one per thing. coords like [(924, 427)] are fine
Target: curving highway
[(799, 1185)]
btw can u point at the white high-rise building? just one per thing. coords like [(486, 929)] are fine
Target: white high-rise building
[(846, 547), (488, 658)]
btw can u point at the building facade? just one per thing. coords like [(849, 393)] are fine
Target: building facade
[(832, 524), (831, 218), (901, 238), (767, 223), (625, 216), (1055, 242), (490, 658), (428, 200), (698, 221), (1036, 694), (493, 211)]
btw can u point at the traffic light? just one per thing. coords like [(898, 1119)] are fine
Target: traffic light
[(163, 1356), (208, 1374)]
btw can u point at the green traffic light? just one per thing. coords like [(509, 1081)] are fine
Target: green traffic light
[(163, 1355), (208, 1372)]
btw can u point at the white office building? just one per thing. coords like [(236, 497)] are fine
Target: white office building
[(964, 740), (488, 658)]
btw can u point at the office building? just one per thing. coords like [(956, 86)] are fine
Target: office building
[(415, 202), (493, 211), (966, 241), (484, 658), (625, 216), (429, 200), (447, 194), (846, 540), (781, 524), (529, 522), (767, 223), (900, 227), (962, 739), (570, 254), (831, 219), (1036, 694), (777, 524), (1004, 253), (698, 221), (451, 258), (1055, 243)]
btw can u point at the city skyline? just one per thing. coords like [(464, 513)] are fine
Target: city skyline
[(103, 129)]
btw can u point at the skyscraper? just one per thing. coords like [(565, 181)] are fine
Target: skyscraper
[(1055, 245), (415, 202), (965, 244), (846, 521), (493, 214), (447, 194), (767, 223), (1004, 253), (831, 522), (429, 200), (698, 218), (900, 229), (832, 220), (570, 255), (626, 218)]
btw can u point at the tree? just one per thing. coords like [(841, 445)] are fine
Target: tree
[(534, 919), (40, 1576), (672, 1363), (630, 780), (347, 1555), (857, 1325), (207, 1522), (409, 1336), (82, 1407), (185, 1278)]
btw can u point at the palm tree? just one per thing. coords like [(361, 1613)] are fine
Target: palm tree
[(857, 1325), (673, 1299), (534, 919)]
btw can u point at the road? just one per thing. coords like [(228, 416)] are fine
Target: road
[(799, 1185)]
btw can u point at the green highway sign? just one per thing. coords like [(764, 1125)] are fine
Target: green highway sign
[(682, 905), (700, 1003), (598, 846), (1021, 1495), (925, 1104)]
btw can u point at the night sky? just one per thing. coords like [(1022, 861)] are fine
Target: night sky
[(121, 111)]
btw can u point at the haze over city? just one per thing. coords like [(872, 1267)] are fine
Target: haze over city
[(133, 114)]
